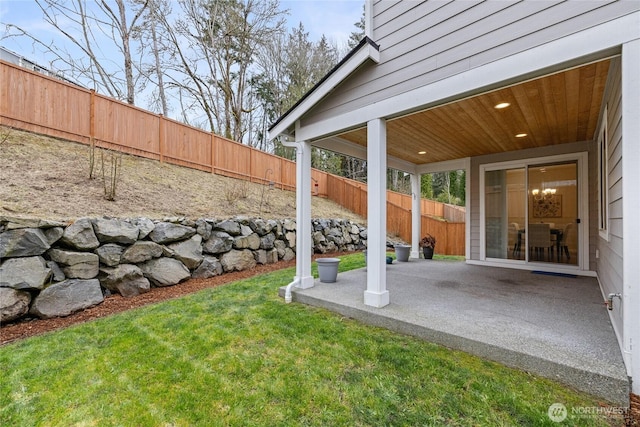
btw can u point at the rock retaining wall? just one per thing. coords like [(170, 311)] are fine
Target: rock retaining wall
[(51, 269)]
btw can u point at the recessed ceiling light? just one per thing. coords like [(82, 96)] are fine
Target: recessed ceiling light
[(422, 152), (521, 135), (502, 105)]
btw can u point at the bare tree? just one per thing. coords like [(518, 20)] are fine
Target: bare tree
[(238, 31), (150, 35), (91, 29), (213, 45)]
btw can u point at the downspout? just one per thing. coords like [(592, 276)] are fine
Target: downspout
[(287, 292)]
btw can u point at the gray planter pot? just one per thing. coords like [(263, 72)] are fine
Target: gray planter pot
[(328, 269), (402, 252)]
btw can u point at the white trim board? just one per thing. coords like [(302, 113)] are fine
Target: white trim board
[(631, 206)]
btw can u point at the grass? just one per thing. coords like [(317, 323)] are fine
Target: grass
[(237, 355)]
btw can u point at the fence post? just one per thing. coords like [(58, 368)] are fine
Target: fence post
[(92, 140), (92, 116), (250, 164), (213, 154), (281, 177), (161, 137)]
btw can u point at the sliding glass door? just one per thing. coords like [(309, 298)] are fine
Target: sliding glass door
[(531, 213)]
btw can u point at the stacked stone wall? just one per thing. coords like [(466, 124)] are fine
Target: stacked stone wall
[(52, 269)]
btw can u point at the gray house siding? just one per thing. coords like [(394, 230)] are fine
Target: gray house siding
[(609, 263), (423, 42)]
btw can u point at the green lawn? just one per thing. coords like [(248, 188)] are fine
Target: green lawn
[(237, 355)]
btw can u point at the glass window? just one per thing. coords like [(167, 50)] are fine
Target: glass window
[(505, 213), (603, 178)]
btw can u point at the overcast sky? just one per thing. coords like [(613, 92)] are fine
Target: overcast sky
[(334, 18)]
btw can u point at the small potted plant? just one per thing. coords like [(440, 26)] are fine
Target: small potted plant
[(428, 244)]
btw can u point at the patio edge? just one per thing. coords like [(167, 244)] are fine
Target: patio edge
[(613, 389)]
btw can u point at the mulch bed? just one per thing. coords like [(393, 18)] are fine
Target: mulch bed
[(112, 304)]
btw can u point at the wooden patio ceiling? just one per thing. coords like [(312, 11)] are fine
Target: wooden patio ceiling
[(554, 109)]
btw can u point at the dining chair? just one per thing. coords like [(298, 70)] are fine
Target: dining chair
[(514, 237), (539, 240), (567, 235)]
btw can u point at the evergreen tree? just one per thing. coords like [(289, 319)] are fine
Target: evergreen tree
[(426, 186)]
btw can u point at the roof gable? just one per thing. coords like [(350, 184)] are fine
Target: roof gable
[(364, 51)]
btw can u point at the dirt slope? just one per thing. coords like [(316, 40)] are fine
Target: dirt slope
[(49, 178)]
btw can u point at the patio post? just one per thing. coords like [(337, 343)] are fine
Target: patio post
[(376, 294), (416, 215), (303, 278), (630, 208)]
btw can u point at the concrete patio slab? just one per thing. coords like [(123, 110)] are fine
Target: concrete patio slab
[(553, 326)]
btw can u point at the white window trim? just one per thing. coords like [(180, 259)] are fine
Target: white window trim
[(603, 175)]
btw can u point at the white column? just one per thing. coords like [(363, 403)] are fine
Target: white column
[(467, 207), (376, 294), (630, 208), (416, 215), (303, 214)]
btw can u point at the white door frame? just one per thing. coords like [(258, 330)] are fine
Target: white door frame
[(582, 268)]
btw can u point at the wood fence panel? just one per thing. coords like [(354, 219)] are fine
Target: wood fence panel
[(453, 213), (433, 208), (395, 198), (185, 146), (398, 222), (319, 181), (363, 202), (437, 229), (288, 169), (450, 238), (456, 238), (399, 199), (352, 195), (347, 193), (38, 103), (266, 168), (232, 159), (123, 127), (334, 189)]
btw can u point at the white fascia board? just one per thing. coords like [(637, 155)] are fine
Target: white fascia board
[(360, 57), (550, 56), (347, 148)]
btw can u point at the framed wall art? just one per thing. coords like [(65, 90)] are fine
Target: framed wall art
[(548, 206)]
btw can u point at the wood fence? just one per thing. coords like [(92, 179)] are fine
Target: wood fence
[(41, 104)]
